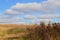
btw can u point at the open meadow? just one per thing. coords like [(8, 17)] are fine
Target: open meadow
[(30, 32)]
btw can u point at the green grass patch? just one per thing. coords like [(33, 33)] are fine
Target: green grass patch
[(15, 30)]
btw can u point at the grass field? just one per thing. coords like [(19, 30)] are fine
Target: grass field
[(12, 31), (30, 32)]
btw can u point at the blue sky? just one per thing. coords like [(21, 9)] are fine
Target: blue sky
[(5, 4), (29, 11)]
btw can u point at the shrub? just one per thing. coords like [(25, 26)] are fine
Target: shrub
[(44, 32)]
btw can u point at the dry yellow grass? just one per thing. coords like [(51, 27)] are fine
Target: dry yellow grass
[(30, 32)]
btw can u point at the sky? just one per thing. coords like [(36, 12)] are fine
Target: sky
[(29, 11)]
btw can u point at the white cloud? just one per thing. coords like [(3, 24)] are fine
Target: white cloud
[(9, 19), (12, 12), (49, 6), (50, 16), (29, 17), (44, 20), (27, 7), (24, 8)]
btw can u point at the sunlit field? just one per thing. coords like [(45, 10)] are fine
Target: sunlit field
[(29, 19), (12, 31), (50, 31)]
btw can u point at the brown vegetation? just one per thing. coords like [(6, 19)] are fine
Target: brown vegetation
[(44, 32), (50, 31)]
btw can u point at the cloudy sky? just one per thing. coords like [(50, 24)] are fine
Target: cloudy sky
[(29, 11)]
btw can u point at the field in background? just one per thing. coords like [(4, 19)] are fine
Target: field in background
[(30, 32), (13, 31)]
